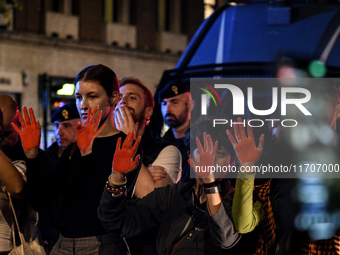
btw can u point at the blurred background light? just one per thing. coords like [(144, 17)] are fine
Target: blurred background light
[(66, 90), (317, 69)]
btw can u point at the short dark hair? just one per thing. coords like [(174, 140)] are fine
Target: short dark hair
[(172, 89), (102, 74), (149, 101)]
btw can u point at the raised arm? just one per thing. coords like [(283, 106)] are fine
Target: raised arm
[(116, 212), (124, 162), (11, 178), (222, 229), (246, 215), (206, 158), (30, 133)]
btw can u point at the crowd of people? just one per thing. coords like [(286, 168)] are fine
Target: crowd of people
[(108, 186)]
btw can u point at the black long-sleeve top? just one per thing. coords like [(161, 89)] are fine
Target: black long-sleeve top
[(169, 211), (80, 180)]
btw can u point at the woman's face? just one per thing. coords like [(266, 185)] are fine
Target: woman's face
[(92, 93), (222, 157)]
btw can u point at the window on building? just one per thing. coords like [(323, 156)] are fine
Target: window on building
[(163, 15), (209, 7), (61, 6), (55, 5), (116, 11)]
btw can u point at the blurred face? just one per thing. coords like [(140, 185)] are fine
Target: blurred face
[(66, 132), (132, 97), (10, 135), (175, 110), (92, 93), (222, 157)]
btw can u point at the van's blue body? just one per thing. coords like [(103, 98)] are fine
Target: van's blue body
[(250, 40)]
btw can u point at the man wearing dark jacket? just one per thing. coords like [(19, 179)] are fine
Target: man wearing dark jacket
[(176, 105), (65, 121)]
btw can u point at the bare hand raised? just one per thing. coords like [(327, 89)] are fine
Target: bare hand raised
[(206, 157), (245, 147)]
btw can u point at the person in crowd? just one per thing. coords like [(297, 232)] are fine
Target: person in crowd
[(189, 218), (83, 167), (266, 210), (12, 174), (247, 215), (65, 121), (176, 105), (162, 159), (133, 113), (11, 144)]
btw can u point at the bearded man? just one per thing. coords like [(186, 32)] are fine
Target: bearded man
[(176, 105), (133, 113)]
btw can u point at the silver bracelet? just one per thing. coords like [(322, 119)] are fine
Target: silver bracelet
[(213, 190)]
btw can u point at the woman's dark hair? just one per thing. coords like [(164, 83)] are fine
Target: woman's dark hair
[(102, 74)]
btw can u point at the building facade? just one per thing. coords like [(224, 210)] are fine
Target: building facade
[(58, 38)]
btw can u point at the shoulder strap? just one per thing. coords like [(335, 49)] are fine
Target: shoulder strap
[(22, 240), (177, 244)]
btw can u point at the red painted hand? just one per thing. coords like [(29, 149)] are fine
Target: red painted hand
[(123, 157), (206, 156), (85, 137), (31, 131), (245, 149), (124, 121)]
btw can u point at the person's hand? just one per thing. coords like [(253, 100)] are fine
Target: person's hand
[(31, 131), (124, 121), (123, 159), (206, 158), (85, 137), (157, 172), (247, 152)]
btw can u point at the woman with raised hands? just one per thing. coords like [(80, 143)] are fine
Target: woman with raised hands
[(189, 218), (252, 207), (84, 167)]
